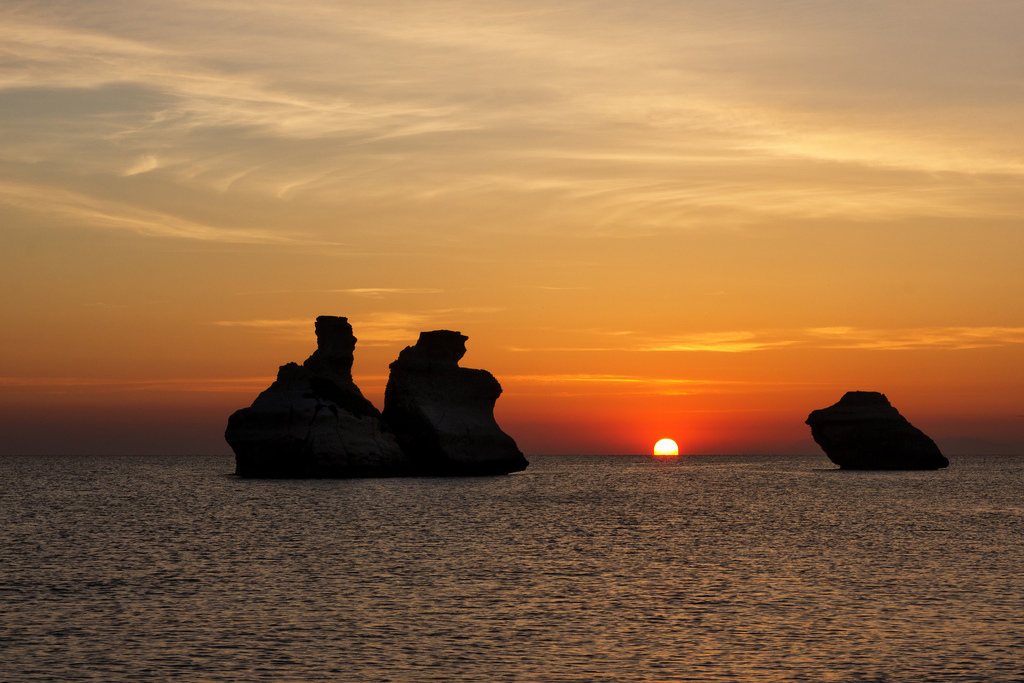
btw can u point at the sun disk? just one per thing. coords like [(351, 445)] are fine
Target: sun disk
[(666, 447)]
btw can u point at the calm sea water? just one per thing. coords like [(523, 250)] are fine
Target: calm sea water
[(580, 569)]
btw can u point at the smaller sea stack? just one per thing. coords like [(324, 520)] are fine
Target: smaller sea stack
[(443, 415), (863, 431)]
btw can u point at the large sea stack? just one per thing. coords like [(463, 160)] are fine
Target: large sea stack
[(313, 421), (443, 414), (863, 431)]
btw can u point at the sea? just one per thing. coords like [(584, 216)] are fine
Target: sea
[(581, 568)]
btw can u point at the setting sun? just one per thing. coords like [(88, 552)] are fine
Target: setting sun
[(666, 447)]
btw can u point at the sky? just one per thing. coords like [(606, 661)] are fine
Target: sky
[(688, 219)]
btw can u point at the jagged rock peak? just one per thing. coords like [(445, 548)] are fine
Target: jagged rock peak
[(861, 399), (864, 431), (335, 348), (438, 347), (334, 334)]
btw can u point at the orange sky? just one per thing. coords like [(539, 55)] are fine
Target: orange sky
[(699, 220)]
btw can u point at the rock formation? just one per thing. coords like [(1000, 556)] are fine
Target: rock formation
[(443, 415), (864, 432), (313, 421)]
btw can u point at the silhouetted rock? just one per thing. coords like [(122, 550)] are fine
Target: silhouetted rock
[(313, 421), (443, 415), (864, 432)]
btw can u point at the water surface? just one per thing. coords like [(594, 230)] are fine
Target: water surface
[(701, 568)]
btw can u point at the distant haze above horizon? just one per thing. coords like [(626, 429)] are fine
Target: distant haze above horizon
[(692, 220)]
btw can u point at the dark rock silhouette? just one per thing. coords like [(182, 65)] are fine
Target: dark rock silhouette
[(313, 421), (863, 431), (443, 415)]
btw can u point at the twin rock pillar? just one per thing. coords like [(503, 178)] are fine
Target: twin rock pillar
[(313, 421)]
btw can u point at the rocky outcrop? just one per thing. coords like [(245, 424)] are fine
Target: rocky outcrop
[(864, 432), (313, 421), (443, 415)]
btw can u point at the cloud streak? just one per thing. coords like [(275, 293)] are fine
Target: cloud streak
[(720, 342), (939, 338), (946, 338), (579, 384), (380, 292), (79, 209), (261, 324), (91, 384), (748, 341)]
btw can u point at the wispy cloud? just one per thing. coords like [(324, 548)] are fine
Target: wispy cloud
[(144, 164), (725, 342), (668, 131), (51, 55), (563, 384), (95, 213), (586, 383), (945, 338), (386, 328), (86, 384), (379, 292), (747, 341), (280, 330), (564, 349), (369, 292), (952, 338), (266, 324), (589, 379)]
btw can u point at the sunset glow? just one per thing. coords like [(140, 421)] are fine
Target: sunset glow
[(642, 214)]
